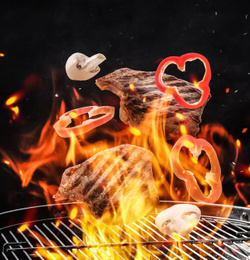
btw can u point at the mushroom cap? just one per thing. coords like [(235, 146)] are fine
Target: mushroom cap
[(180, 219), (81, 67)]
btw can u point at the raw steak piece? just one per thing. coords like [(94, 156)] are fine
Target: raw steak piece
[(118, 181), (142, 102)]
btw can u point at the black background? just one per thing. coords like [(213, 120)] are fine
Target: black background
[(37, 37)]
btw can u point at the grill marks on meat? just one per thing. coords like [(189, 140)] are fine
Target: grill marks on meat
[(117, 178), (133, 111)]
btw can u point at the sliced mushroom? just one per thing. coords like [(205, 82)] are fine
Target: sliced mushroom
[(180, 219), (81, 67)]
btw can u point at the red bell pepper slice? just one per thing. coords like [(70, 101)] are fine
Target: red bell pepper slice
[(212, 177), (86, 126), (203, 85)]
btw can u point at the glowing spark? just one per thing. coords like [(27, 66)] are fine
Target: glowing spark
[(194, 160), (11, 100), (76, 93), (244, 130), (20, 172), (183, 130), (188, 144), (144, 99), (179, 116), (132, 87), (6, 162), (2, 54), (227, 90), (72, 114), (134, 131), (248, 169), (238, 143), (15, 110), (76, 240), (73, 213), (233, 173), (194, 80), (58, 222), (124, 241), (176, 236), (220, 242), (195, 83), (22, 228)]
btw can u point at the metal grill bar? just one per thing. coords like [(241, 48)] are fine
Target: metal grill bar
[(134, 248), (188, 247), (92, 223), (49, 241), (169, 250), (141, 238), (112, 241), (73, 233), (151, 229), (245, 243), (197, 247), (146, 249), (154, 231), (221, 232), (71, 242), (215, 243), (3, 253), (16, 240)]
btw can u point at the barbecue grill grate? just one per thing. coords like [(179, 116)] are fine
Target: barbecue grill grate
[(213, 238)]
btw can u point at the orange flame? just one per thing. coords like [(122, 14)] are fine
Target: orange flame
[(53, 152), (2, 54)]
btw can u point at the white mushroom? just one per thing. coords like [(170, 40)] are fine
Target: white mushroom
[(81, 67), (180, 219)]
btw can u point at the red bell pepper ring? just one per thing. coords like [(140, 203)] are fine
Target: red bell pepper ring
[(86, 126), (203, 85), (212, 177)]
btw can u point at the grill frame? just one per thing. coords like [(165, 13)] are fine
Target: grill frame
[(230, 240)]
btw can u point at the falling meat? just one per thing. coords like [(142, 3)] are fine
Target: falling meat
[(141, 101), (118, 181)]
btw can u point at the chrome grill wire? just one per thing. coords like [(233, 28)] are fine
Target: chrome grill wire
[(207, 228)]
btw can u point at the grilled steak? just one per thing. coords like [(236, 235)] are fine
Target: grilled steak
[(114, 183), (142, 102)]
